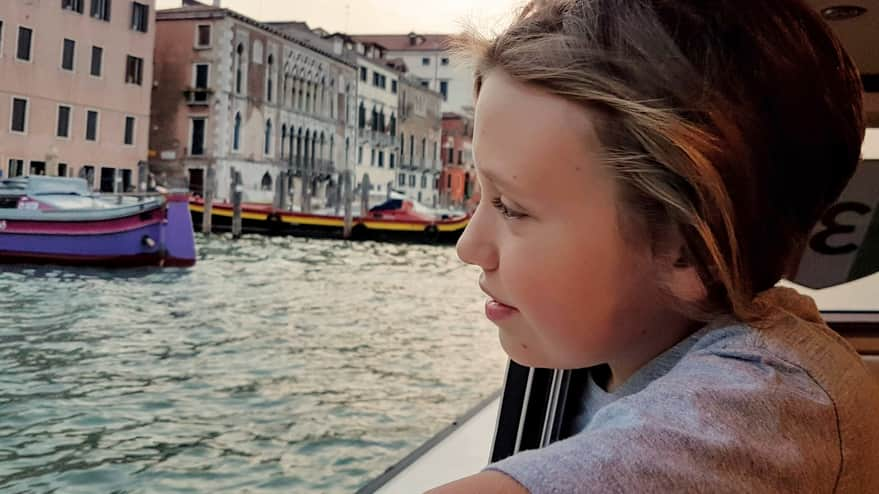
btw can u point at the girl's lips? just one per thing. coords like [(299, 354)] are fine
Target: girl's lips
[(496, 311)]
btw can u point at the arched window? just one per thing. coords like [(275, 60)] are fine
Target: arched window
[(393, 125), (266, 181), (239, 68), (236, 135), (283, 139), (270, 68), (361, 116), (268, 143)]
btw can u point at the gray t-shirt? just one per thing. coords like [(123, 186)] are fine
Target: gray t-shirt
[(789, 407)]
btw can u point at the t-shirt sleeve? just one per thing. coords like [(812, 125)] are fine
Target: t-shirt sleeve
[(729, 421)]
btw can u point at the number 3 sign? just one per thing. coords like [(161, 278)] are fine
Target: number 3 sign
[(845, 243)]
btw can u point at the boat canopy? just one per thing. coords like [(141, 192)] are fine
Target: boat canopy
[(39, 185)]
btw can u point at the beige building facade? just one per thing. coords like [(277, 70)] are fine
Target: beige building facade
[(233, 92), (75, 84)]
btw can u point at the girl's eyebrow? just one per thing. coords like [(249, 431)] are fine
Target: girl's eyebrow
[(501, 182)]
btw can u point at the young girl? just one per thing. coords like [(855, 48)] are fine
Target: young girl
[(650, 169)]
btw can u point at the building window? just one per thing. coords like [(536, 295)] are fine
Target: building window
[(425, 61), (1, 37), (128, 138), (62, 169), (270, 63), (372, 158), (67, 54), (91, 125), (266, 183), (25, 38), (364, 74), (140, 17), (19, 115), (444, 61), (239, 68), (424, 181), (196, 141), (203, 36), (16, 168), (360, 155), (63, 127), (201, 80), (401, 180), (361, 116), (268, 140), (236, 136), (425, 84), (381, 159), (74, 5), (101, 9), (97, 61), (411, 180), (134, 70), (392, 160), (38, 168), (444, 90)]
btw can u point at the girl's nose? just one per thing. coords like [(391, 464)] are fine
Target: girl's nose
[(476, 245)]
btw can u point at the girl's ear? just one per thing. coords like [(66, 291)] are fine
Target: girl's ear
[(682, 275)]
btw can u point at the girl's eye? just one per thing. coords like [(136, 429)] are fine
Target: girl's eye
[(506, 211)]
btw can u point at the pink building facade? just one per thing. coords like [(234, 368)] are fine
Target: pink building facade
[(75, 85)]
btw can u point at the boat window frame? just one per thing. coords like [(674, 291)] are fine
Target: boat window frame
[(535, 409)]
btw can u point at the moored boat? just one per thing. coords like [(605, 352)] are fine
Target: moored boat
[(54, 220), (394, 221)]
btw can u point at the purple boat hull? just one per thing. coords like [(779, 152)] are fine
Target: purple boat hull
[(160, 237)]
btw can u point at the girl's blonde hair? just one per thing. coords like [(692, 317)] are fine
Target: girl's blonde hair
[(737, 123)]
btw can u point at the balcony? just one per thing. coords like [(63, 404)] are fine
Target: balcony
[(197, 96)]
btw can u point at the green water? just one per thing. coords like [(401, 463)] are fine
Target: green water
[(274, 365)]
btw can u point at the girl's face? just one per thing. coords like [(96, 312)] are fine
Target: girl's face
[(566, 290)]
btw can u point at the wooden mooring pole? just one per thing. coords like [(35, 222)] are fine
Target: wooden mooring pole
[(210, 185), (346, 198), (235, 195)]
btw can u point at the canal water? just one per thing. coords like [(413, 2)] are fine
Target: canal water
[(274, 365)]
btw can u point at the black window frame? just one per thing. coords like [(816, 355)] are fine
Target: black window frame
[(68, 54), (198, 35), (30, 44), (128, 130), (65, 133), (197, 142), (92, 125), (96, 64), (101, 10), (15, 167), (133, 70), (140, 17), (22, 129), (77, 6)]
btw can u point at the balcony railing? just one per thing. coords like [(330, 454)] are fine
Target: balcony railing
[(197, 96)]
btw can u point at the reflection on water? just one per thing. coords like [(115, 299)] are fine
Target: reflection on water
[(275, 365)]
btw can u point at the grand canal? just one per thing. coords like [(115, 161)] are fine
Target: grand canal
[(274, 365)]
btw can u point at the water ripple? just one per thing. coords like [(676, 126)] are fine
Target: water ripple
[(275, 365)]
